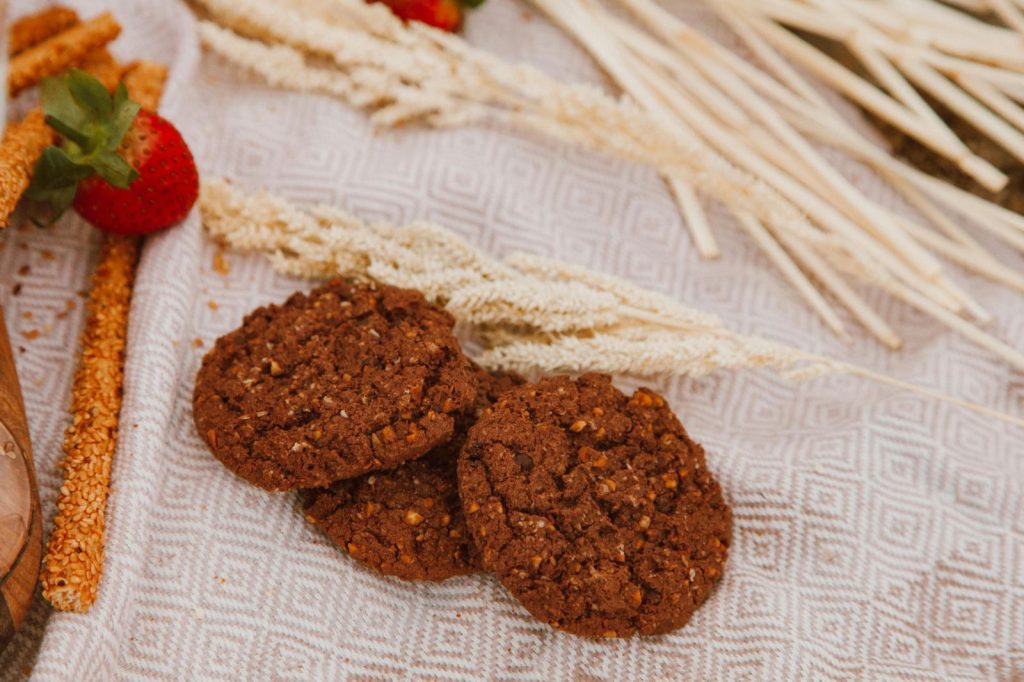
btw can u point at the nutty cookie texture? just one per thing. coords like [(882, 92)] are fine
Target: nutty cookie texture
[(332, 384), (595, 510), (407, 522)]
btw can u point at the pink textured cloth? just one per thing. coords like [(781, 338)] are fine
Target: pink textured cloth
[(878, 535)]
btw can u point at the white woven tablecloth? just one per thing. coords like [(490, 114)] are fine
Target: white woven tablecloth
[(878, 535)]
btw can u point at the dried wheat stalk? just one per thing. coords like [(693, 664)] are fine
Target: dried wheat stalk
[(709, 122), (529, 313)]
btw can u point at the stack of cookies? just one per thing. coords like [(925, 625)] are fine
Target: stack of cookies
[(594, 509)]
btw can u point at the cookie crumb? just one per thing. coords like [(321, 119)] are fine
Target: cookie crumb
[(220, 264)]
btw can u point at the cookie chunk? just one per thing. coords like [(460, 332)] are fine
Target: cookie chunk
[(332, 384), (407, 522), (595, 510)]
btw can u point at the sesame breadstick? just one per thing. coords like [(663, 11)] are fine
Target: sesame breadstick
[(73, 564), (61, 51), (102, 66), (145, 83), (21, 145), (74, 556), (35, 28)]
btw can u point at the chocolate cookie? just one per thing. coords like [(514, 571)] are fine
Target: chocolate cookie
[(330, 385), (407, 522), (595, 510)]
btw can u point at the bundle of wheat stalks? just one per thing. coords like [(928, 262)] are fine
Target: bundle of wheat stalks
[(710, 121), (529, 313)]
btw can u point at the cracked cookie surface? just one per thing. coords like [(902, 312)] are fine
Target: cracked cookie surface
[(407, 522), (595, 510), (332, 384)]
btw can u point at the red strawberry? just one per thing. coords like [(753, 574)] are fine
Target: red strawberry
[(125, 171), (442, 14), (161, 196)]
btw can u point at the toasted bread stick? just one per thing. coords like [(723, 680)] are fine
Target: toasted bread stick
[(20, 147), (73, 564), (35, 28), (145, 83), (61, 51), (102, 66)]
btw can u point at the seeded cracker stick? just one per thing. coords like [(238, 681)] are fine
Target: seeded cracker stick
[(35, 28), (21, 145), (61, 51), (145, 83), (73, 563), (102, 66)]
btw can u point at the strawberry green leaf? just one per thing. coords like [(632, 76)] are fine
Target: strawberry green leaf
[(113, 169), (82, 111), (58, 103), (92, 125), (55, 181), (89, 94), (71, 133), (56, 169), (58, 201), (472, 3), (125, 111)]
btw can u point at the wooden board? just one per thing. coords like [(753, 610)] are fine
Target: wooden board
[(20, 527)]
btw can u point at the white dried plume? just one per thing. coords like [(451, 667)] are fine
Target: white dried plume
[(626, 293), (531, 302), (327, 242), (648, 353)]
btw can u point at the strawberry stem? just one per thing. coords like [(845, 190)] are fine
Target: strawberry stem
[(92, 123)]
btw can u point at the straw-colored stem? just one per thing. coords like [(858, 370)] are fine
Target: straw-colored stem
[(881, 105), (843, 292), (1014, 357), (695, 218), (780, 259), (931, 393), (994, 99), (763, 51), (1009, 13), (968, 108)]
